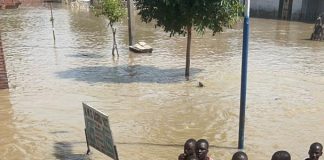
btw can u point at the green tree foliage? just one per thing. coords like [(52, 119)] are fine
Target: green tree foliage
[(115, 12), (181, 16), (112, 9)]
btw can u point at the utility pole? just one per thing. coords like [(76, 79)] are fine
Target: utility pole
[(52, 20), (130, 6), (245, 52)]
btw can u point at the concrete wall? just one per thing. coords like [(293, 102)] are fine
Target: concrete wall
[(265, 8), (9, 4), (321, 7), (3, 72), (303, 10), (296, 13), (311, 9)]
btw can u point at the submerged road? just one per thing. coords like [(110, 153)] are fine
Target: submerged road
[(152, 108)]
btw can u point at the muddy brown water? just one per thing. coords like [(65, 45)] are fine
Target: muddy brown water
[(152, 108)]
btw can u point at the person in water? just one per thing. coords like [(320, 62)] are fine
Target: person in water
[(240, 156), (315, 151), (188, 149), (281, 155), (202, 147)]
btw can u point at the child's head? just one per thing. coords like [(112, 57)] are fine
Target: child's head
[(202, 146), (240, 156), (315, 151), (189, 147), (281, 155)]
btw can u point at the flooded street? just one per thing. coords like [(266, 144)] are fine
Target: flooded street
[(152, 108)]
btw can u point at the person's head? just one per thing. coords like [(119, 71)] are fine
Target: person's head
[(189, 147), (240, 156), (202, 149), (192, 157), (281, 155), (315, 151)]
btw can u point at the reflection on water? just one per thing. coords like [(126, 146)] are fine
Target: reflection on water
[(152, 108), (10, 146)]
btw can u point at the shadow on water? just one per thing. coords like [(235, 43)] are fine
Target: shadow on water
[(63, 151), (86, 55), (127, 74)]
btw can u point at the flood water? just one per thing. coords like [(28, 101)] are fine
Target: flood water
[(152, 108)]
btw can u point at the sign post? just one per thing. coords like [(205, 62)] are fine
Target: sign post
[(52, 20), (244, 73), (85, 132), (98, 133)]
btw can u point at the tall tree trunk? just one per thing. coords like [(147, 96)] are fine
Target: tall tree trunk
[(188, 51), (114, 40)]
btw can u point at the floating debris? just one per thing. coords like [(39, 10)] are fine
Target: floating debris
[(141, 47)]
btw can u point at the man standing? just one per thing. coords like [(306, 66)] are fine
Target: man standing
[(315, 151)]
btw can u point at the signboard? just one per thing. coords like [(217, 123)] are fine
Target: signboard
[(98, 131)]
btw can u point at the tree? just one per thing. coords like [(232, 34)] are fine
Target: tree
[(114, 11), (181, 16)]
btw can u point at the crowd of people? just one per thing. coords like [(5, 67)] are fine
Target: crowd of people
[(198, 150)]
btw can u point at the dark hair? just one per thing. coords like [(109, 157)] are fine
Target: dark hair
[(203, 141), (240, 156), (314, 145), (191, 140), (281, 155)]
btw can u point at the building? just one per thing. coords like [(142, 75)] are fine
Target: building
[(302, 10), (9, 4)]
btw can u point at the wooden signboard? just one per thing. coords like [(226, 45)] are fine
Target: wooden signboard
[(98, 132)]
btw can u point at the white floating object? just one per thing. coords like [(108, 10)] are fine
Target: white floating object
[(141, 47)]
